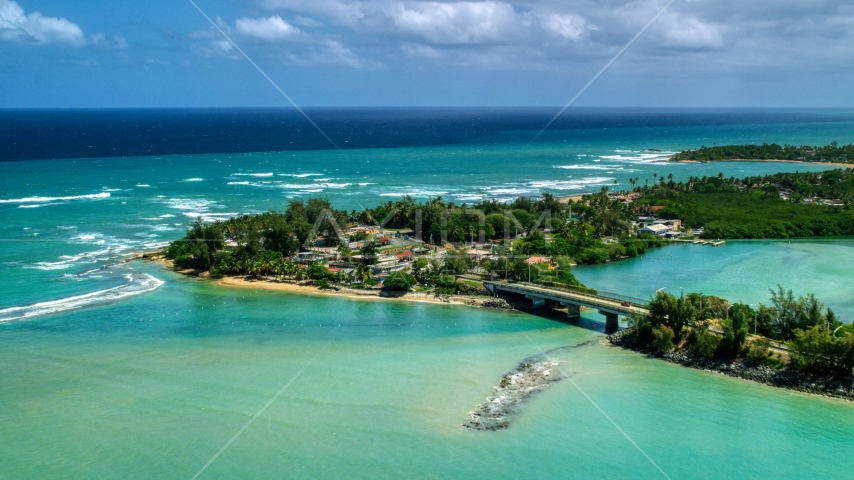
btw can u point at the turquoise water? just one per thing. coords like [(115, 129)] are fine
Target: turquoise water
[(156, 385), (741, 270), (65, 217), (129, 370)]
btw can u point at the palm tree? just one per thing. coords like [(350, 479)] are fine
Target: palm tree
[(363, 273)]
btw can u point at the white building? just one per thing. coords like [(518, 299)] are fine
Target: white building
[(656, 229)]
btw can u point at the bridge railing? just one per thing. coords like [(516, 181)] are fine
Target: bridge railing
[(589, 292)]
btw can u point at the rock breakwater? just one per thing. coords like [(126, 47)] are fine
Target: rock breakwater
[(532, 375)]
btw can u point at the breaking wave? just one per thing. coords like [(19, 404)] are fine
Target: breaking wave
[(639, 157), (93, 196), (115, 248), (578, 184), (138, 283)]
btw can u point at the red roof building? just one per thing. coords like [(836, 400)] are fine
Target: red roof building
[(536, 260), (405, 256)]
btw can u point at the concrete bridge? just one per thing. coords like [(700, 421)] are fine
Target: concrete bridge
[(610, 305)]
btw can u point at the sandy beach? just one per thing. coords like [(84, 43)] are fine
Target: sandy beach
[(243, 282)]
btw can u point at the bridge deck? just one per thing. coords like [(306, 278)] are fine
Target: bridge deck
[(603, 304)]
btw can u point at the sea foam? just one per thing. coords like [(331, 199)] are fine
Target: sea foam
[(138, 283), (93, 196)]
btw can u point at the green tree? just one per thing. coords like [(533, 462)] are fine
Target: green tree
[(399, 281), (735, 329), (817, 350), (667, 310), (363, 273), (369, 252)]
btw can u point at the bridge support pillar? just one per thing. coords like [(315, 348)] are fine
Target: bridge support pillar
[(572, 310), (537, 302), (611, 321)]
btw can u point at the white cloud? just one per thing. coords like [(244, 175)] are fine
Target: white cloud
[(457, 22), (690, 33), (569, 26), (546, 34), (271, 29), (307, 22), (101, 40), (333, 53), (443, 23), (17, 26)]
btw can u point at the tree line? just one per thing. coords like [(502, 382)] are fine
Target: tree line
[(752, 207), (773, 151), (711, 327)]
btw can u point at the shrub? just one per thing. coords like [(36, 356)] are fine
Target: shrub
[(758, 352), (705, 343), (446, 285), (663, 338), (322, 283)]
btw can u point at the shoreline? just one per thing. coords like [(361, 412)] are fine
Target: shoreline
[(785, 379), (364, 294), (296, 288), (770, 160)]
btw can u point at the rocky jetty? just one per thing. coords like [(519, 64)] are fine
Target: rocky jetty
[(775, 377), (532, 375)]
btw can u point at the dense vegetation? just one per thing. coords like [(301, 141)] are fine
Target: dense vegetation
[(753, 207), (262, 243), (829, 153), (710, 327)]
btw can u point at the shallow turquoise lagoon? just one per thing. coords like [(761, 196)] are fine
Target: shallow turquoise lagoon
[(157, 384)]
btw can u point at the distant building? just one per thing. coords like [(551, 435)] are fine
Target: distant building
[(475, 253), (536, 260), (303, 257), (405, 256), (656, 229), (676, 224)]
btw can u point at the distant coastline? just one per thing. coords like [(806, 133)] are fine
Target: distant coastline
[(833, 154), (673, 159)]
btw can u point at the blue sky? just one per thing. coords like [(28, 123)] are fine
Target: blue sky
[(163, 53)]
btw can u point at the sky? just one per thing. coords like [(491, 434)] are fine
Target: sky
[(327, 53)]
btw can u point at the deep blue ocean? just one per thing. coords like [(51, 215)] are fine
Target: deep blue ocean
[(48, 134)]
